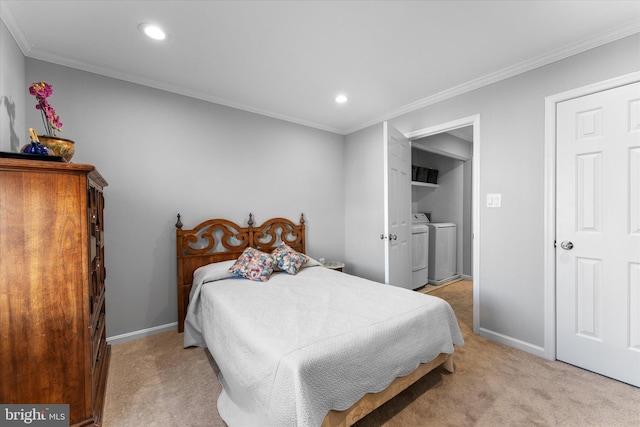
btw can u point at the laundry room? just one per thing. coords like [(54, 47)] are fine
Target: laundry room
[(441, 190)]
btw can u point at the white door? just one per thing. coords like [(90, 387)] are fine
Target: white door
[(598, 233), (397, 202)]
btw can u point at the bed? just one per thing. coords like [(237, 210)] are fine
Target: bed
[(310, 347)]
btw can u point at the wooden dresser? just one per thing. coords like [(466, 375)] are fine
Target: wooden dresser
[(53, 346)]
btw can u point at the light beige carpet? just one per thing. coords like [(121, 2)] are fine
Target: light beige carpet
[(153, 381)]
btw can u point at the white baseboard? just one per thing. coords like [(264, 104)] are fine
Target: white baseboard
[(467, 277), (441, 281), (512, 342), (130, 336)]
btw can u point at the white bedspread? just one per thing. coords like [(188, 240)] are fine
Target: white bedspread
[(294, 347)]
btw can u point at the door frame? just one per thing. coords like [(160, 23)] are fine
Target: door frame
[(475, 196), (550, 198)]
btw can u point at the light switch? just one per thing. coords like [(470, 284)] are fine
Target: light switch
[(494, 200)]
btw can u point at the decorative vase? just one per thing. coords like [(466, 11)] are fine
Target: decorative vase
[(64, 148), (35, 148)]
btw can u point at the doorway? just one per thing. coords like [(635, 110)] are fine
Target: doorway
[(452, 127)]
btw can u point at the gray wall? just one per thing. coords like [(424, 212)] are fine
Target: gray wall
[(364, 203), (12, 93), (164, 153), (512, 163)]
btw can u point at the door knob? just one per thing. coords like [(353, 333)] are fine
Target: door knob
[(393, 237), (567, 245)]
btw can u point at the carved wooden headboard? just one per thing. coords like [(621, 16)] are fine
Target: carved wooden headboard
[(218, 240)]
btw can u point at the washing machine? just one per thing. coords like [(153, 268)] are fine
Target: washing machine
[(419, 250), (442, 252)]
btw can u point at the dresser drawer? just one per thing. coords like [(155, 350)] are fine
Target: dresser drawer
[(97, 339), (99, 366), (100, 349), (96, 307)]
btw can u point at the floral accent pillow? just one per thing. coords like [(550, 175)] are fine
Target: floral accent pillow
[(254, 265), (287, 259)]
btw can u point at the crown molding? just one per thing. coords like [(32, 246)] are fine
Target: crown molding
[(614, 34), (9, 19), (522, 67), (35, 53)]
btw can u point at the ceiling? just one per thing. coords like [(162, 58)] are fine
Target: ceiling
[(289, 59)]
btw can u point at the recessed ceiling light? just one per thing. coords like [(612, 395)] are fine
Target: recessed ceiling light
[(341, 99), (153, 31)]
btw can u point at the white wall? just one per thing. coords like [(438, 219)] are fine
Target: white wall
[(364, 203), (512, 163), (445, 144), (164, 153), (13, 91)]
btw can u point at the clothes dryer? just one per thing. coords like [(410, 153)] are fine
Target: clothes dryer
[(442, 252)]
